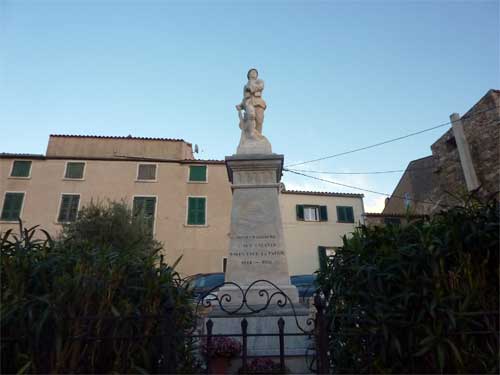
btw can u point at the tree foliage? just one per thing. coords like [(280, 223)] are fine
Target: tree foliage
[(420, 298), (62, 300)]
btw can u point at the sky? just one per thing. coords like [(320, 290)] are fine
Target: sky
[(338, 76)]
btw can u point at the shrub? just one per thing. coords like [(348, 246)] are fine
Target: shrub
[(63, 301), (419, 298)]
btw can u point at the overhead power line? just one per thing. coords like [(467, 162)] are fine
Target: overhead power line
[(359, 188), (370, 172), (390, 140)]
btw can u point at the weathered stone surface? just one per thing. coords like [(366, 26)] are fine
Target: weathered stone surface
[(257, 249), (266, 322), (481, 125)]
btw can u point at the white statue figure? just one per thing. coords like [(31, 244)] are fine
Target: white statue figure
[(252, 94), (252, 141)]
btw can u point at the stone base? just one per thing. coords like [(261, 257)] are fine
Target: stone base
[(259, 145), (266, 322), (258, 295)]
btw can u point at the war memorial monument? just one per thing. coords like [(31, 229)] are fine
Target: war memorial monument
[(257, 283)]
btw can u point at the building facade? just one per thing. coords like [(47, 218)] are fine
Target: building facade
[(187, 201)]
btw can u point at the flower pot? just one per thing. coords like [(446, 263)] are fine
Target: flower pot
[(219, 365)]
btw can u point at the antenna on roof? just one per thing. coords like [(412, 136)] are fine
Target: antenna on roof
[(196, 150)]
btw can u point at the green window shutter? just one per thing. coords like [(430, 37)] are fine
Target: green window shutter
[(350, 214), (341, 214), (74, 170), (196, 211), (224, 264), (345, 214), (12, 205), (21, 168), (145, 206), (323, 260), (198, 173), (138, 205), (300, 211), (69, 208), (323, 213)]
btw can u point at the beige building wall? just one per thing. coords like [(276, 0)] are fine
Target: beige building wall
[(118, 147), (202, 248), (303, 238)]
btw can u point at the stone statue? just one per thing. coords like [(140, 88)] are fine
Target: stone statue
[(252, 94), (252, 141)]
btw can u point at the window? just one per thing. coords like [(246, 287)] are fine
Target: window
[(224, 264), (197, 173), (392, 221), (74, 170), (146, 172), (196, 211), (69, 208), (21, 168), (311, 213), (345, 214), (325, 253), (146, 207), (12, 205), (407, 200)]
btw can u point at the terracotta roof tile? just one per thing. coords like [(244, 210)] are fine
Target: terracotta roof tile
[(11, 155), (323, 193), (119, 137), (380, 214)]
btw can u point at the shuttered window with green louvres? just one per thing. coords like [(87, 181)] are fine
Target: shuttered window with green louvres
[(74, 170), (69, 208), (345, 214), (145, 206), (12, 204), (198, 173), (196, 211), (307, 212), (21, 168)]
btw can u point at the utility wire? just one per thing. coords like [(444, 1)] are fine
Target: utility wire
[(390, 140), (358, 188), (371, 172)]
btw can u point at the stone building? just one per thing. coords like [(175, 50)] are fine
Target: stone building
[(470, 147), (187, 200), (481, 127)]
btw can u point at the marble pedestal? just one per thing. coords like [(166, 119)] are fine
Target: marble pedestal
[(257, 250), (266, 322)]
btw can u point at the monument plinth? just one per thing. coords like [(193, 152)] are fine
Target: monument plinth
[(257, 249)]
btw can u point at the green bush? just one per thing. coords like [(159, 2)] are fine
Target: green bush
[(420, 298), (104, 269)]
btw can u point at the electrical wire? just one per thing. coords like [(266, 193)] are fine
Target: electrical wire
[(358, 188), (391, 140), (371, 172)]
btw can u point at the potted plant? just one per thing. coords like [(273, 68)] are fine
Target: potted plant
[(220, 352), (262, 366)]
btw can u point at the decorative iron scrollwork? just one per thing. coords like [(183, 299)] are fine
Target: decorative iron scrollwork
[(270, 293)]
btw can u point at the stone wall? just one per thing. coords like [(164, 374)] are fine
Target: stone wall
[(482, 131)]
